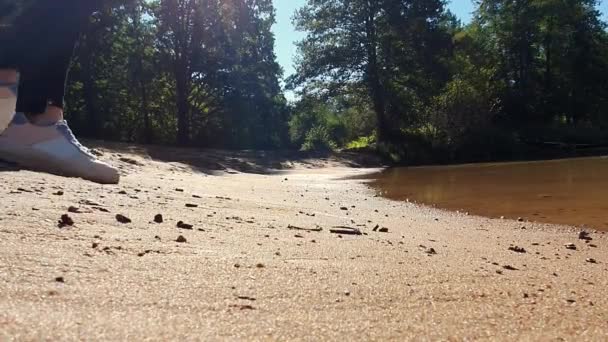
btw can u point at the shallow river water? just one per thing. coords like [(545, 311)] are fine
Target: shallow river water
[(571, 191)]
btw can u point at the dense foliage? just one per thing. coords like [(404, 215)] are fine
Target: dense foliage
[(403, 77), (521, 73), (199, 72)]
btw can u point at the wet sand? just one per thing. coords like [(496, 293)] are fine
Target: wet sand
[(569, 191), (260, 262)]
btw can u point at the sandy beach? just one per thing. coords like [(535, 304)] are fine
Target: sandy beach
[(269, 248)]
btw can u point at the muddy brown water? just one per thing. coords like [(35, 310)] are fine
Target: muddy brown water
[(571, 191)]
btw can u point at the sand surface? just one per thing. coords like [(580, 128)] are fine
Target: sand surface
[(243, 274)]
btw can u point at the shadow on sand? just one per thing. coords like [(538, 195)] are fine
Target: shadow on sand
[(210, 161)]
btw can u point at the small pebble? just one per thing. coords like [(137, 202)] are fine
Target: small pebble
[(122, 219), (517, 249), (183, 225), (65, 220)]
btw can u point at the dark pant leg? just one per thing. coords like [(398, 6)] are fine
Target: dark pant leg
[(8, 11), (44, 37)]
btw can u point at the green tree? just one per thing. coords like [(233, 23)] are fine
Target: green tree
[(550, 56), (389, 47)]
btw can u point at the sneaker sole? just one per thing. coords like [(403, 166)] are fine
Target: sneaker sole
[(33, 159)]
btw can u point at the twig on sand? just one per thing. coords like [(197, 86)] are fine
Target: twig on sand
[(318, 229), (345, 230)]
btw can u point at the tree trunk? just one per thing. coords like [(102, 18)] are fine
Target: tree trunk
[(141, 79), (144, 109), (94, 122), (374, 82), (548, 56), (183, 124)]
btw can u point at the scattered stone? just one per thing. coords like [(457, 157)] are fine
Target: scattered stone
[(260, 265), (570, 246), (74, 210), (591, 261), (122, 219), (65, 220), (343, 208), (95, 245), (122, 192), (246, 298), (181, 239), (509, 268), (158, 218), (191, 205), (383, 230), (431, 251), (58, 193), (179, 190), (583, 235), (520, 219), (89, 202), (60, 280), (376, 228), (130, 161), (243, 307), (517, 249), (182, 225), (96, 152)]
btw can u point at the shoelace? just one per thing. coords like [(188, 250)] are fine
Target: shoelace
[(69, 135)]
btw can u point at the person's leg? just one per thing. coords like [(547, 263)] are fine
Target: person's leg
[(45, 62), (38, 137), (9, 80), (40, 43), (8, 70)]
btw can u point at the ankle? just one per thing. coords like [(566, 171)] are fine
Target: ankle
[(9, 76), (51, 116)]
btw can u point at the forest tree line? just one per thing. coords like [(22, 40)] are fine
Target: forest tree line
[(402, 76)]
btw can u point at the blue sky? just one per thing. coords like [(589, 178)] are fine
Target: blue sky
[(286, 35)]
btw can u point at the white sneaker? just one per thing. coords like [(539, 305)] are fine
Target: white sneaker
[(8, 100), (53, 149)]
